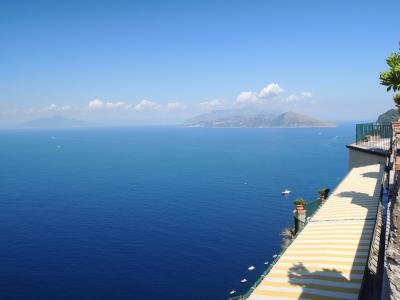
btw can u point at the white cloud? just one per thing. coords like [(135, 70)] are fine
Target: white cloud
[(294, 98), (99, 104), (175, 106), (291, 98), (211, 104), (145, 105), (56, 108), (246, 98), (28, 111), (50, 108), (306, 94), (96, 104), (270, 91), (113, 105)]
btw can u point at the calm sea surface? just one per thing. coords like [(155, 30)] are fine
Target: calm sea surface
[(152, 213)]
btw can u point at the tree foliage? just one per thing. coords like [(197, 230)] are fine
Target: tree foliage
[(391, 78)]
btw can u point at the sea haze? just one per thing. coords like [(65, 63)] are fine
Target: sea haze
[(152, 213)]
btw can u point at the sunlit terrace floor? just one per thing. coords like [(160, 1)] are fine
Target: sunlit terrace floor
[(328, 258)]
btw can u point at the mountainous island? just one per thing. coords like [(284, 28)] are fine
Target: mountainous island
[(388, 117), (237, 119)]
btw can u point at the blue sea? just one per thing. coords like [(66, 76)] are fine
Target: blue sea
[(152, 212)]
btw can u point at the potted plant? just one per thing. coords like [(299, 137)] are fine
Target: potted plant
[(300, 203), (396, 99), (324, 193), (287, 235)]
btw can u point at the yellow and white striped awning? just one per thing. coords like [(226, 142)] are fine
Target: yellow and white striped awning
[(328, 258)]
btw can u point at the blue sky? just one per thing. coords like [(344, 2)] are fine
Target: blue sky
[(145, 62)]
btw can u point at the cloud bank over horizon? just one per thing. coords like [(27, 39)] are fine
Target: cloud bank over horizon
[(270, 97)]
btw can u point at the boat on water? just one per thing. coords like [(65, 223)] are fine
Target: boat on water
[(286, 192)]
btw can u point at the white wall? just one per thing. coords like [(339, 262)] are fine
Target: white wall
[(358, 158)]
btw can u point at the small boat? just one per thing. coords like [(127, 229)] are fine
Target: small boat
[(243, 280), (251, 268), (286, 192), (265, 263), (232, 292)]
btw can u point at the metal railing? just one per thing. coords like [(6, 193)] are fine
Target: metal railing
[(374, 136), (312, 207), (264, 274)]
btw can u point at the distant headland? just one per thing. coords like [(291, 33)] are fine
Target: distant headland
[(238, 119)]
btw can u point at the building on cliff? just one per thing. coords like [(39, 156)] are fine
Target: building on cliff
[(349, 248)]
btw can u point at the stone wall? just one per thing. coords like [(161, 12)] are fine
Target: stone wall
[(393, 253)]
